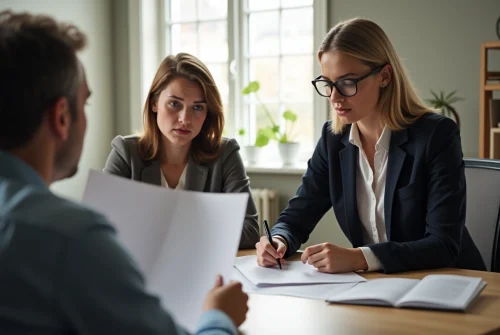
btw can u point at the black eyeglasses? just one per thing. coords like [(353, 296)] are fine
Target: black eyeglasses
[(347, 87)]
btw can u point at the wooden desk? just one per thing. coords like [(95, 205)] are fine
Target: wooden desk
[(289, 315)]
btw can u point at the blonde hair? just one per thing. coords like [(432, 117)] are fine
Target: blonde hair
[(206, 146), (366, 41)]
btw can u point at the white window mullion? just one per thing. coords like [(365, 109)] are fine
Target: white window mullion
[(246, 119), (164, 29), (281, 122), (321, 110), (233, 112), (198, 45)]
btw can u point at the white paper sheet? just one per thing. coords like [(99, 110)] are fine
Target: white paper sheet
[(311, 291), (180, 239), (293, 273)]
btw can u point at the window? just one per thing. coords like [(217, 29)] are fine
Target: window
[(245, 40), (200, 27)]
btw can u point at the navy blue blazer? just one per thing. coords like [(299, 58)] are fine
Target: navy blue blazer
[(425, 197)]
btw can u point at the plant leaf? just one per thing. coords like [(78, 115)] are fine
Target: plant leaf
[(453, 100), (261, 140), (290, 116), (283, 139), (452, 93), (267, 132), (241, 132), (252, 87)]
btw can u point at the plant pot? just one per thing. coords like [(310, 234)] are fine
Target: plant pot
[(289, 152), (252, 154)]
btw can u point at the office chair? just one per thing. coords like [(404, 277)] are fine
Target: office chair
[(483, 208)]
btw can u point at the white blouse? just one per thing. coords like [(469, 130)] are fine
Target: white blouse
[(370, 191), (180, 184)]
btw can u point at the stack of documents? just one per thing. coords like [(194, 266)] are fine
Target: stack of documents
[(296, 279), (444, 292)]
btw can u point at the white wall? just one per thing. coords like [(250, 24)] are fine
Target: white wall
[(94, 18), (439, 42)]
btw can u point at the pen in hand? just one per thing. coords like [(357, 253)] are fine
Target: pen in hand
[(269, 237)]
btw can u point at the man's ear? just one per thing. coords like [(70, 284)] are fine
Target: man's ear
[(59, 118)]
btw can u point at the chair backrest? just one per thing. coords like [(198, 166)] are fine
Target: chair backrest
[(483, 208)]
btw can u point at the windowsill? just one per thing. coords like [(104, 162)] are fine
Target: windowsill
[(276, 168)]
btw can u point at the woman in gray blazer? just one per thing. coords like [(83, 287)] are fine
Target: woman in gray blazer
[(182, 145)]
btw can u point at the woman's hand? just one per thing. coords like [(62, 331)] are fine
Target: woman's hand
[(330, 258), (267, 255)]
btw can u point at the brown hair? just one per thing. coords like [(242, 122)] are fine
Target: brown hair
[(38, 65), (366, 41), (206, 146)]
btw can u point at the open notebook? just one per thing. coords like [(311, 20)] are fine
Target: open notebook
[(447, 292)]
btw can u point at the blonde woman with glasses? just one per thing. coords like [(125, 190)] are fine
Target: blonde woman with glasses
[(390, 167)]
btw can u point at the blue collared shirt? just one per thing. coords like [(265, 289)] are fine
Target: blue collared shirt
[(63, 270)]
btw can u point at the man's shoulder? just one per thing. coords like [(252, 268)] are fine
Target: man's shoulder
[(79, 217), (42, 209)]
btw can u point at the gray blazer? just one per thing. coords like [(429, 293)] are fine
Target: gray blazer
[(225, 175)]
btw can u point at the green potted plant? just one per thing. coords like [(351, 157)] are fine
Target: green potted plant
[(444, 102), (287, 147), (252, 152)]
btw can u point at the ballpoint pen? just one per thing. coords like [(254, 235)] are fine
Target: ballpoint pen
[(268, 233)]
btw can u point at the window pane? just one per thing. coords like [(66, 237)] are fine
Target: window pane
[(303, 129), (264, 33), (265, 70), (295, 3), (262, 4), (184, 39), (297, 38), (228, 130), (296, 84), (182, 10), (219, 72), (212, 9), (213, 41)]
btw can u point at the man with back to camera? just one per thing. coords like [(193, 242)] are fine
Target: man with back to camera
[(62, 269)]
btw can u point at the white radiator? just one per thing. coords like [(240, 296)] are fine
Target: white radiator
[(268, 208)]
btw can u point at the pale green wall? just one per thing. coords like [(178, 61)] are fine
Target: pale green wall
[(94, 18)]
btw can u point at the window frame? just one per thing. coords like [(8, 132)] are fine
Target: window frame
[(238, 74)]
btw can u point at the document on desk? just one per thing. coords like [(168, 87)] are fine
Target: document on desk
[(293, 273), (180, 239), (446, 292), (311, 291)]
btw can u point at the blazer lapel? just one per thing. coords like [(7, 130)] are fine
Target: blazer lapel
[(196, 176), (348, 163), (151, 174), (394, 165)]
